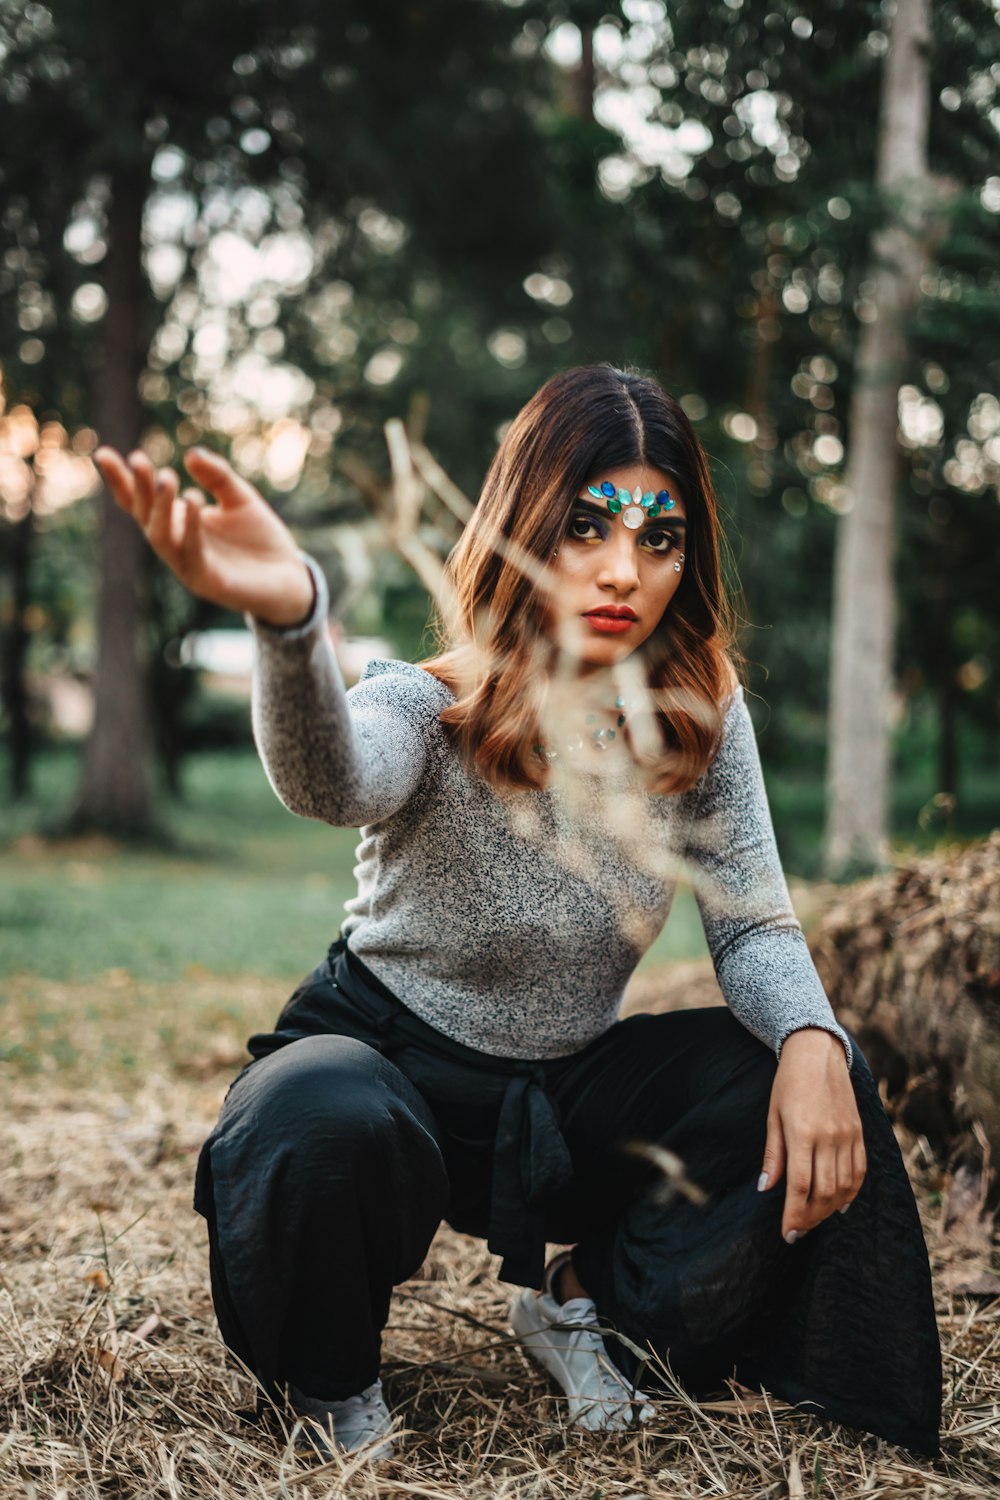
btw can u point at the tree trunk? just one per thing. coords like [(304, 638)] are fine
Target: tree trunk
[(863, 625), (15, 656), (115, 795)]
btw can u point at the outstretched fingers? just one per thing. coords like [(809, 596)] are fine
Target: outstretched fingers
[(218, 477), (145, 485), (118, 477)]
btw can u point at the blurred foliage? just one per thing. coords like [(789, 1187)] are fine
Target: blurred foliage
[(372, 210)]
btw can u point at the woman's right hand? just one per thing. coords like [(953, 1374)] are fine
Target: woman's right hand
[(238, 553)]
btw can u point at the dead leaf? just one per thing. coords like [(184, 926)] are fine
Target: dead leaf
[(796, 1489), (109, 1362), (99, 1278)]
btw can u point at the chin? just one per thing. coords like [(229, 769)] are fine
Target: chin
[(608, 654)]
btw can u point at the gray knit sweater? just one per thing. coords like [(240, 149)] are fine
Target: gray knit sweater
[(511, 921)]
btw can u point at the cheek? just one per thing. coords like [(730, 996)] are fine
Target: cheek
[(664, 584)]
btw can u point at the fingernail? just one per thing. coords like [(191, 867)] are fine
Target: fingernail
[(762, 1181), (792, 1236)]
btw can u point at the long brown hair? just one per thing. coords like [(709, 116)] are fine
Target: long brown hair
[(495, 656)]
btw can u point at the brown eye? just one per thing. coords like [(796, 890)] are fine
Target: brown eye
[(665, 541), (583, 528)]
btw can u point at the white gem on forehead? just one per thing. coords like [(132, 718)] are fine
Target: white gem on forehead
[(633, 517)]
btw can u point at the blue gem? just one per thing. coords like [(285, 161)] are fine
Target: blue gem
[(607, 488), (647, 501), (625, 496), (666, 500), (593, 490)]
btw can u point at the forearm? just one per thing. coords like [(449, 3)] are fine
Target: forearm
[(322, 761), (770, 983), (758, 949)]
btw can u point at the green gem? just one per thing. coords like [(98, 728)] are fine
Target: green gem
[(653, 512), (621, 721), (614, 506)]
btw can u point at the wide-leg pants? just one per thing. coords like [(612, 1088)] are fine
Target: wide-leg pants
[(357, 1129)]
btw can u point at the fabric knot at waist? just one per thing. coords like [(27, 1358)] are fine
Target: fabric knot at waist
[(531, 1161)]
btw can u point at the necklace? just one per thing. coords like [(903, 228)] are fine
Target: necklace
[(600, 738)]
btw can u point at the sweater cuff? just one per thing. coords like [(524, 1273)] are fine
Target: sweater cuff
[(316, 616), (832, 1027)]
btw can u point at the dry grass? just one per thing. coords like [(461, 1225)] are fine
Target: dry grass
[(99, 1243)]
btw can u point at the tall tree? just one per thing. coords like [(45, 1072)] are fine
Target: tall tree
[(863, 608)]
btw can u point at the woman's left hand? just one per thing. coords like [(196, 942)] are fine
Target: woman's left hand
[(813, 1130)]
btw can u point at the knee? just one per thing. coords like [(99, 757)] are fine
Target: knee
[(328, 1091)]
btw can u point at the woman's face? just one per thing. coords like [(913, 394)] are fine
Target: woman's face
[(613, 584)]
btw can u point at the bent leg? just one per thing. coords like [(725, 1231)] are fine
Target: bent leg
[(323, 1185), (695, 1280), (843, 1319)]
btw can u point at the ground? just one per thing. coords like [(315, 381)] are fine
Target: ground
[(113, 1380)]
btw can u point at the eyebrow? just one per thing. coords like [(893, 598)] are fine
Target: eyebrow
[(664, 519)]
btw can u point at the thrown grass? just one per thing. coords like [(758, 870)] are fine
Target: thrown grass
[(114, 1382)]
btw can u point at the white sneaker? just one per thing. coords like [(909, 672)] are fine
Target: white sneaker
[(354, 1423), (565, 1340)]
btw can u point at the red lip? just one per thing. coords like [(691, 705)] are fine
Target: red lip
[(614, 612)]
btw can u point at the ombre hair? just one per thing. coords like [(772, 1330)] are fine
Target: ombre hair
[(495, 654)]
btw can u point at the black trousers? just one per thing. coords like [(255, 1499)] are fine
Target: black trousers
[(357, 1128)]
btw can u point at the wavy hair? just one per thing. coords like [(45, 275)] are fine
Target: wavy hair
[(494, 653)]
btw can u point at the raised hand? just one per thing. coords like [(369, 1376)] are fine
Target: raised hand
[(238, 553)]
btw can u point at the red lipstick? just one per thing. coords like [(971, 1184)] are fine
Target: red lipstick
[(611, 619)]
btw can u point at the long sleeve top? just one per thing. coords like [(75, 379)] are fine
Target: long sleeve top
[(512, 921)]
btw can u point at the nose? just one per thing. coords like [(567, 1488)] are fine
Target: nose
[(619, 562)]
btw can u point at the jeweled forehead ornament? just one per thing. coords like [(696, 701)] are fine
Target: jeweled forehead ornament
[(633, 505)]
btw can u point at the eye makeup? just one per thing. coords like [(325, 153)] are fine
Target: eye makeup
[(601, 522), (594, 512)]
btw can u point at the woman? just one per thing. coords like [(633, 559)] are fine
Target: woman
[(527, 800)]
